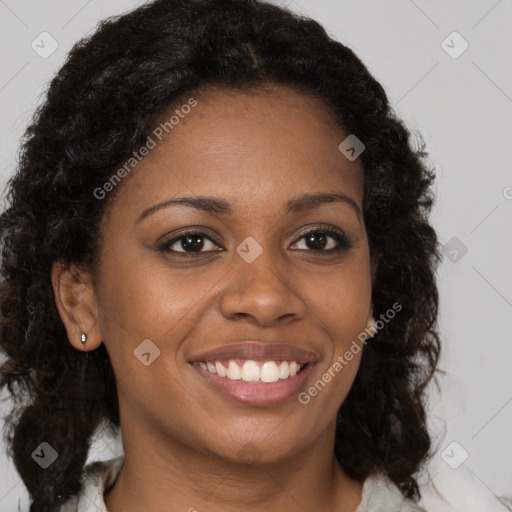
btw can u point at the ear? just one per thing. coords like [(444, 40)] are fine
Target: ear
[(77, 305)]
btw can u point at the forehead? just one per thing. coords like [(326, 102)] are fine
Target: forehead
[(256, 148)]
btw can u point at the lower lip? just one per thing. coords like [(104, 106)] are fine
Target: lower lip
[(251, 393)]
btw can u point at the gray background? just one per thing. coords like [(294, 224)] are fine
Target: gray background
[(463, 108)]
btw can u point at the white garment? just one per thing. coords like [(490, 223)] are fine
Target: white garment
[(379, 493)]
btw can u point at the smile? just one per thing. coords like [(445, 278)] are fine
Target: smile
[(271, 384), (253, 371)]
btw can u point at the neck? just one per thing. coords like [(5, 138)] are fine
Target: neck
[(169, 476)]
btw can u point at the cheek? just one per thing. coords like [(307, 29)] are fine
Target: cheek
[(343, 306), (343, 300), (142, 300)]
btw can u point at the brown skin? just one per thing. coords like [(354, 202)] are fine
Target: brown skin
[(181, 437)]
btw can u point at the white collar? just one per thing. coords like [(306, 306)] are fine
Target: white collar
[(98, 477)]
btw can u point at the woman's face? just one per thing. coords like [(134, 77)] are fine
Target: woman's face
[(251, 275)]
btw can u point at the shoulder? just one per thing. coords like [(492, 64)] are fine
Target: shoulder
[(380, 494), (97, 477)]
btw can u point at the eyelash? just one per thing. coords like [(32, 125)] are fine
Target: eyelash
[(344, 243)]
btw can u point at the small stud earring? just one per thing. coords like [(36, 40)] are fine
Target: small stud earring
[(84, 337)]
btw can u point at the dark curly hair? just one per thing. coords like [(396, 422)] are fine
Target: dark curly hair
[(113, 88)]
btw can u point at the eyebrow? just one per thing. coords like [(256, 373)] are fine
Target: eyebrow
[(220, 206)]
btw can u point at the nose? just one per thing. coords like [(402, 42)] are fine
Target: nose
[(262, 292)]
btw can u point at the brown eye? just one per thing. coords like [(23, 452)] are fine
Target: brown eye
[(194, 243), (189, 243), (326, 240)]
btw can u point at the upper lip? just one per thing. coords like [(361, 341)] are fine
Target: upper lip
[(258, 351)]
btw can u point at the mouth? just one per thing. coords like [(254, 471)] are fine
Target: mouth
[(255, 374), (252, 371)]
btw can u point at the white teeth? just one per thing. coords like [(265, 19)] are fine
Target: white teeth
[(270, 371), (284, 370), (221, 369), (250, 371), (234, 371)]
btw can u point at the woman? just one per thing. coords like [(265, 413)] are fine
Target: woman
[(217, 243)]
